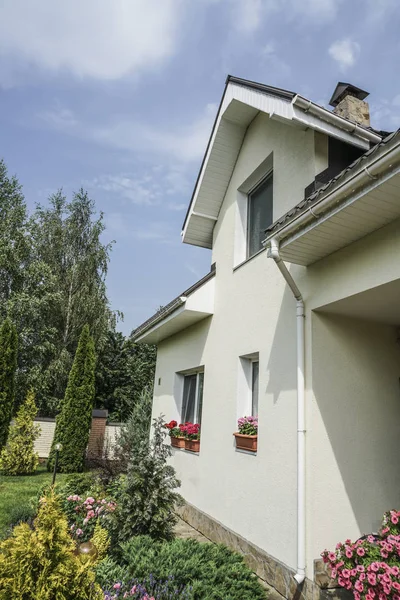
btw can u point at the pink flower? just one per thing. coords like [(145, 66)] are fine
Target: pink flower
[(79, 532), (395, 571), (362, 577), (332, 556), (375, 567), (349, 553), (371, 539), (356, 595), (360, 551), (396, 585), (133, 590), (346, 573), (371, 578), (116, 586), (90, 514), (384, 553), (359, 586)]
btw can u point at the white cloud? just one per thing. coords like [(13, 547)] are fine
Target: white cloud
[(185, 143), (157, 186), (275, 62), (345, 53), (320, 11), (396, 100), (104, 40), (247, 15)]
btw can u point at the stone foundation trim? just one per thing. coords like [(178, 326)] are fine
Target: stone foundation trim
[(274, 573)]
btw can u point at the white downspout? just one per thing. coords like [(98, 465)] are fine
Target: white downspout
[(273, 252)]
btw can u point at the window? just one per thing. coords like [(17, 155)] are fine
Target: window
[(255, 369), (248, 385), (192, 400), (259, 215)]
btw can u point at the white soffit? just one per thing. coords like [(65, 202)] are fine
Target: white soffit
[(347, 222), (240, 105)]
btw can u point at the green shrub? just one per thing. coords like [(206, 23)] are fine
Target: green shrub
[(82, 484), (147, 496), (212, 571), (8, 366), (40, 564), (73, 422), (19, 456)]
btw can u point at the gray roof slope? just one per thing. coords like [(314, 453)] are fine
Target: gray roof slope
[(308, 202)]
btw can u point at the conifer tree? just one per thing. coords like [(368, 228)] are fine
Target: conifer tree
[(8, 366), (73, 422), (18, 457)]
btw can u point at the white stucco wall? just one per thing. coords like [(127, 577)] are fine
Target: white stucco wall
[(352, 375), (354, 429)]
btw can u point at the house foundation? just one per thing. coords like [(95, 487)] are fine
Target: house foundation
[(270, 570)]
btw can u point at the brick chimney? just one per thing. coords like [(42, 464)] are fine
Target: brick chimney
[(348, 102)]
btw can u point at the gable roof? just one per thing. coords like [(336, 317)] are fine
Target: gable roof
[(241, 101)]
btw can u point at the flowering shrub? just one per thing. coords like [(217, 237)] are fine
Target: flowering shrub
[(84, 514), (190, 431), (248, 425), (152, 590), (370, 567), (173, 429)]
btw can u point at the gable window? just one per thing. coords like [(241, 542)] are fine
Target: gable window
[(259, 215), (192, 400)]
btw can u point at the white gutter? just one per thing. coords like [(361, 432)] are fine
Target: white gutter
[(385, 161), (330, 117), (273, 252)]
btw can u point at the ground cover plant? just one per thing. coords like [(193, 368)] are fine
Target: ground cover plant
[(201, 571), (370, 567)]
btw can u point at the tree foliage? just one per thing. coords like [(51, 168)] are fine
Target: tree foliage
[(40, 563), (53, 268), (18, 457), (124, 370), (8, 365), (73, 422)]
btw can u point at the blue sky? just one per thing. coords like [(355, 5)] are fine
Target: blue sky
[(119, 96)]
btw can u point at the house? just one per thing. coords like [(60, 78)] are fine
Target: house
[(296, 322)]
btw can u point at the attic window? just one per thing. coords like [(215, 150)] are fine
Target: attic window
[(259, 215)]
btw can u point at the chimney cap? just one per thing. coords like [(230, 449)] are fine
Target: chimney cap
[(343, 89)]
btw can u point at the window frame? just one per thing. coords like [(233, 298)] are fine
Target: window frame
[(250, 195), (198, 402)]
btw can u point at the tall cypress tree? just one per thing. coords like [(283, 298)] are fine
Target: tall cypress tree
[(73, 422), (8, 366)]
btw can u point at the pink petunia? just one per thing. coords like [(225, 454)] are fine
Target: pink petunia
[(360, 551)]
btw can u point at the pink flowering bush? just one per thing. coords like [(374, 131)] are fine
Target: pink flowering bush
[(84, 514), (248, 425), (370, 567)]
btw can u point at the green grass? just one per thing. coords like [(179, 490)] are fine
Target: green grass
[(20, 489)]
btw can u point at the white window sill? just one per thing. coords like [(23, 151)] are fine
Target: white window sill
[(248, 259), (249, 452)]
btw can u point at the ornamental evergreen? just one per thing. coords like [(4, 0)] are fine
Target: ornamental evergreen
[(19, 456), (39, 563), (73, 422), (8, 366), (147, 496)]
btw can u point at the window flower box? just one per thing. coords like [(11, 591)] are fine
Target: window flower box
[(191, 432), (177, 442), (247, 436), (246, 442), (192, 445), (175, 434)]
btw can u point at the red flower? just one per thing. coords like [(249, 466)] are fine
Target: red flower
[(171, 424)]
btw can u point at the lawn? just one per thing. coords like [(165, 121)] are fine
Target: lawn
[(19, 489)]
